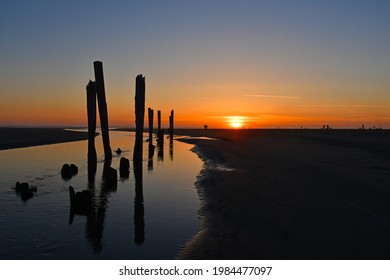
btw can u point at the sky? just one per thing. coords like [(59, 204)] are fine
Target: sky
[(221, 63)]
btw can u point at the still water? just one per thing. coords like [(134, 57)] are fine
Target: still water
[(120, 227)]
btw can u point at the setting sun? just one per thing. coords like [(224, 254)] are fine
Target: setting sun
[(235, 121), (236, 124)]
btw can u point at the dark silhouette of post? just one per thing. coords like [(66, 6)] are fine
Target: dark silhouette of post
[(139, 223), (124, 168), (150, 118), (171, 127), (139, 106), (139, 116), (151, 146), (101, 97), (158, 122), (91, 113)]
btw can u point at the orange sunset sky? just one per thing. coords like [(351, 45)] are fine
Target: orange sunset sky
[(258, 64)]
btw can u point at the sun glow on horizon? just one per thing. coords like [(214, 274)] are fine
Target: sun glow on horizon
[(236, 124), (236, 121)]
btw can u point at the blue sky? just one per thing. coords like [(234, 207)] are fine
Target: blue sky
[(192, 52)]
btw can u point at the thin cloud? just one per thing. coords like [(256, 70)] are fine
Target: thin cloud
[(341, 105), (272, 96)]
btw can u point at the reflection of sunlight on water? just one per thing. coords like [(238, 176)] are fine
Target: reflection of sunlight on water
[(223, 168), (195, 138), (80, 129), (169, 197)]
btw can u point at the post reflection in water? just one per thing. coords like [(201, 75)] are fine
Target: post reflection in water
[(171, 151), (81, 203), (106, 221), (160, 152), (139, 212), (92, 167), (150, 157), (96, 211), (96, 219), (98, 204)]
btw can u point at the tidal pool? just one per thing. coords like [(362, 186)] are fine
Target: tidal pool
[(152, 224)]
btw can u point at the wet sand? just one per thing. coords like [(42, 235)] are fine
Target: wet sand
[(11, 138), (292, 194), (279, 194)]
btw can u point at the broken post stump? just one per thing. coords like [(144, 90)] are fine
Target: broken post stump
[(80, 202), (110, 178), (124, 167), (68, 171)]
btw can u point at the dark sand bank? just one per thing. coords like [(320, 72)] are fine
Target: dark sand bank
[(11, 137), (293, 194)]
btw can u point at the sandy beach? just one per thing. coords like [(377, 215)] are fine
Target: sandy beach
[(11, 137), (292, 194), (279, 194)]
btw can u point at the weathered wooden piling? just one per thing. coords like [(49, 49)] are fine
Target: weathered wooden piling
[(139, 117), (150, 118), (124, 168), (101, 97), (158, 122), (91, 114), (139, 105), (151, 146), (171, 127)]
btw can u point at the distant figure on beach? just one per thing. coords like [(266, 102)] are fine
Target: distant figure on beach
[(205, 126)]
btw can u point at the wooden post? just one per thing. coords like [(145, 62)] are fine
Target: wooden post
[(171, 127), (139, 107), (139, 116), (150, 117), (101, 97), (91, 113), (158, 122), (124, 168), (139, 222)]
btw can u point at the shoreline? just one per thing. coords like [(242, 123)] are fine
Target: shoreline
[(281, 194), (14, 138), (292, 195)]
